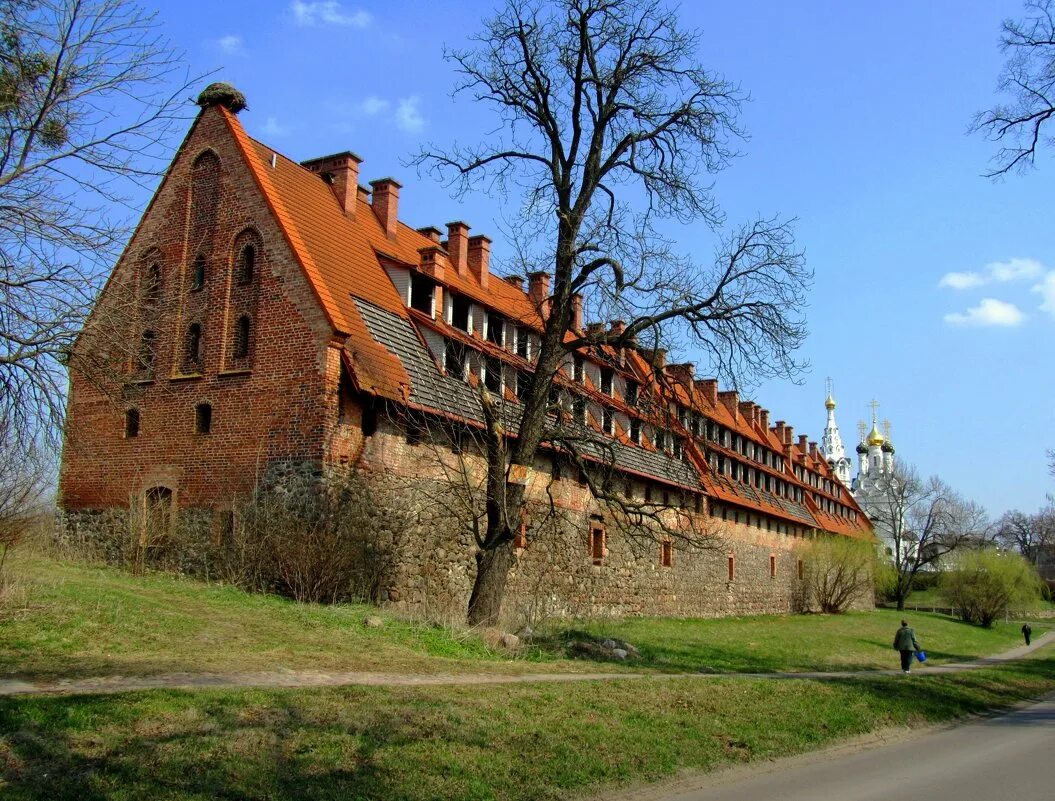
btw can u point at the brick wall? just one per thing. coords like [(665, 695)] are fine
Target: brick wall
[(278, 401)]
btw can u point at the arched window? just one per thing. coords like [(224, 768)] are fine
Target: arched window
[(241, 337), (197, 280), (147, 350), (247, 264), (203, 418), (152, 284), (194, 344)]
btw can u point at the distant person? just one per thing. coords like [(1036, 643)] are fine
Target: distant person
[(1027, 631), (905, 642)]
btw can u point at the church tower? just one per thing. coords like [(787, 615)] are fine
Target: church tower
[(832, 442)]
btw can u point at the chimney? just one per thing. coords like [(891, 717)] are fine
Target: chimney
[(763, 418), (813, 450), (708, 387), (386, 203), (433, 261), (789, 435), (778, 429), (538, 291), (576, 312), (730, 399), (363, 193), (458, 247), (682, 373), (595, 329), (341, 172), (514, 280), (432, 233), (616, 327), (747, 409), (480, 258), (803, 439), (657, 357)]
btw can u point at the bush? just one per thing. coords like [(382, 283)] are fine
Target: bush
[(986, 584), (838, 571)]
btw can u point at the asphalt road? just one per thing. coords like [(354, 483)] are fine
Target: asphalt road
[(1005, 758)]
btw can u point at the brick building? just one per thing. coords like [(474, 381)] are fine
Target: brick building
[(275, 313)]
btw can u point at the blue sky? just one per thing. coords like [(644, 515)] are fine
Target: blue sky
[(858, 128)]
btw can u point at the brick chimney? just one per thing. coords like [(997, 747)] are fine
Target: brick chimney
[(813, 450), (708, 387), (616, 327), (433, 261), (682, 373), (458, 247), (747, 409), (385, 201), (778, 429), (479, 258), (731, 400), (514, 280), (538, 291), (803, 440), (657, 357), (341, 172), (363, 193), (576, 312), (763, 418), (432, 233)]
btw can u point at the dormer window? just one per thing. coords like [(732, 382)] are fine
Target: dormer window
[(460, 312), (635, 431), (607, 377), (422, 294), (631, 393), (496, 329), (608, 422), (454, 359), (523, 344), (578, 370), (493, 376)]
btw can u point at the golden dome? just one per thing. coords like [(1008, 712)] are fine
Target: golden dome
[(874, 437), (830, 403)]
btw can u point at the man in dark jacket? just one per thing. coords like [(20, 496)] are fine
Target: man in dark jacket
[(905, 642), (1027, 630)]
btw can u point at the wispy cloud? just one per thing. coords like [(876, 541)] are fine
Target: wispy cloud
[(328, 12), (229, 45), (990, 312), (408, 115), (272, 127), (996, 272), (373, 105)]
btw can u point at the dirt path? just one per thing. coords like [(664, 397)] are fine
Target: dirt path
[(314, 678)]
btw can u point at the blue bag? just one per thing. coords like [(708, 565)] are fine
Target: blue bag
[(921, 656)]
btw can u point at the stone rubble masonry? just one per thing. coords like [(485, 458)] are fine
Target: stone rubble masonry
[(291, 401)]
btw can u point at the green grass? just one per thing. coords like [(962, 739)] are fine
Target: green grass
[(81, 620), (532, 741), (770, 643), (934, 598)]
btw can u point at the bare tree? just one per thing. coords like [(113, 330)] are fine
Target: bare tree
[(838, 572), (23, 486), (1028, 79), (924, 520), (1030, 535), (90, 95), (606, 122)]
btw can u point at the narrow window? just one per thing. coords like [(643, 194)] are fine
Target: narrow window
[(422, 293), (578, 411), (198, 273), (607, 378), (608, 422), (731, 565), (631, 393), (241, 338), (579, 370), (493, 376), (203, 418), (131, 423), (523, 385), (598, 551), (152, 284), (147, 350), (454, 359), (369, 423), (772, 566), (635, 431), (522, 344), (666, 553), (194, 344), (247, 265), (496, 329), (799, 568), (460, 308)]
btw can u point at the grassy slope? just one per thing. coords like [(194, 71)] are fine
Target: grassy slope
[(511, 742), (83, 620)]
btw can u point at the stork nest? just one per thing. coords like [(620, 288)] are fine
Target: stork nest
[(222, 94)]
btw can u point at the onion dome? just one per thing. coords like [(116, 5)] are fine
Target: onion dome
[(888, 447), (862, 448), (829, 404), (874, 437)]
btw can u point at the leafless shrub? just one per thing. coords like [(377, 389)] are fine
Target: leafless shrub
[(837, 572)]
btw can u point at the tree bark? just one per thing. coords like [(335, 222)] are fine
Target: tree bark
[(492, 574)]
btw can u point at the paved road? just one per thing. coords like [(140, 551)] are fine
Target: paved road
[(1006, 758)]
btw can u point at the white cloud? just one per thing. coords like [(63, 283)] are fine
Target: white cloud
[(272, 127), (230, 45), (995, 272), (328, 12), (990, 312), (1046, 290), (373, 105), (408, 115)]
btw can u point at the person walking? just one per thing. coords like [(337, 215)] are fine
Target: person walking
[(1027, 631), (905, 642)]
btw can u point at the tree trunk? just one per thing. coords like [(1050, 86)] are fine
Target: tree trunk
[(492, 573), (901, 603)]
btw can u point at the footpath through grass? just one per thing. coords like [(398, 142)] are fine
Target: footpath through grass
[(78, 620), (521, 742)]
